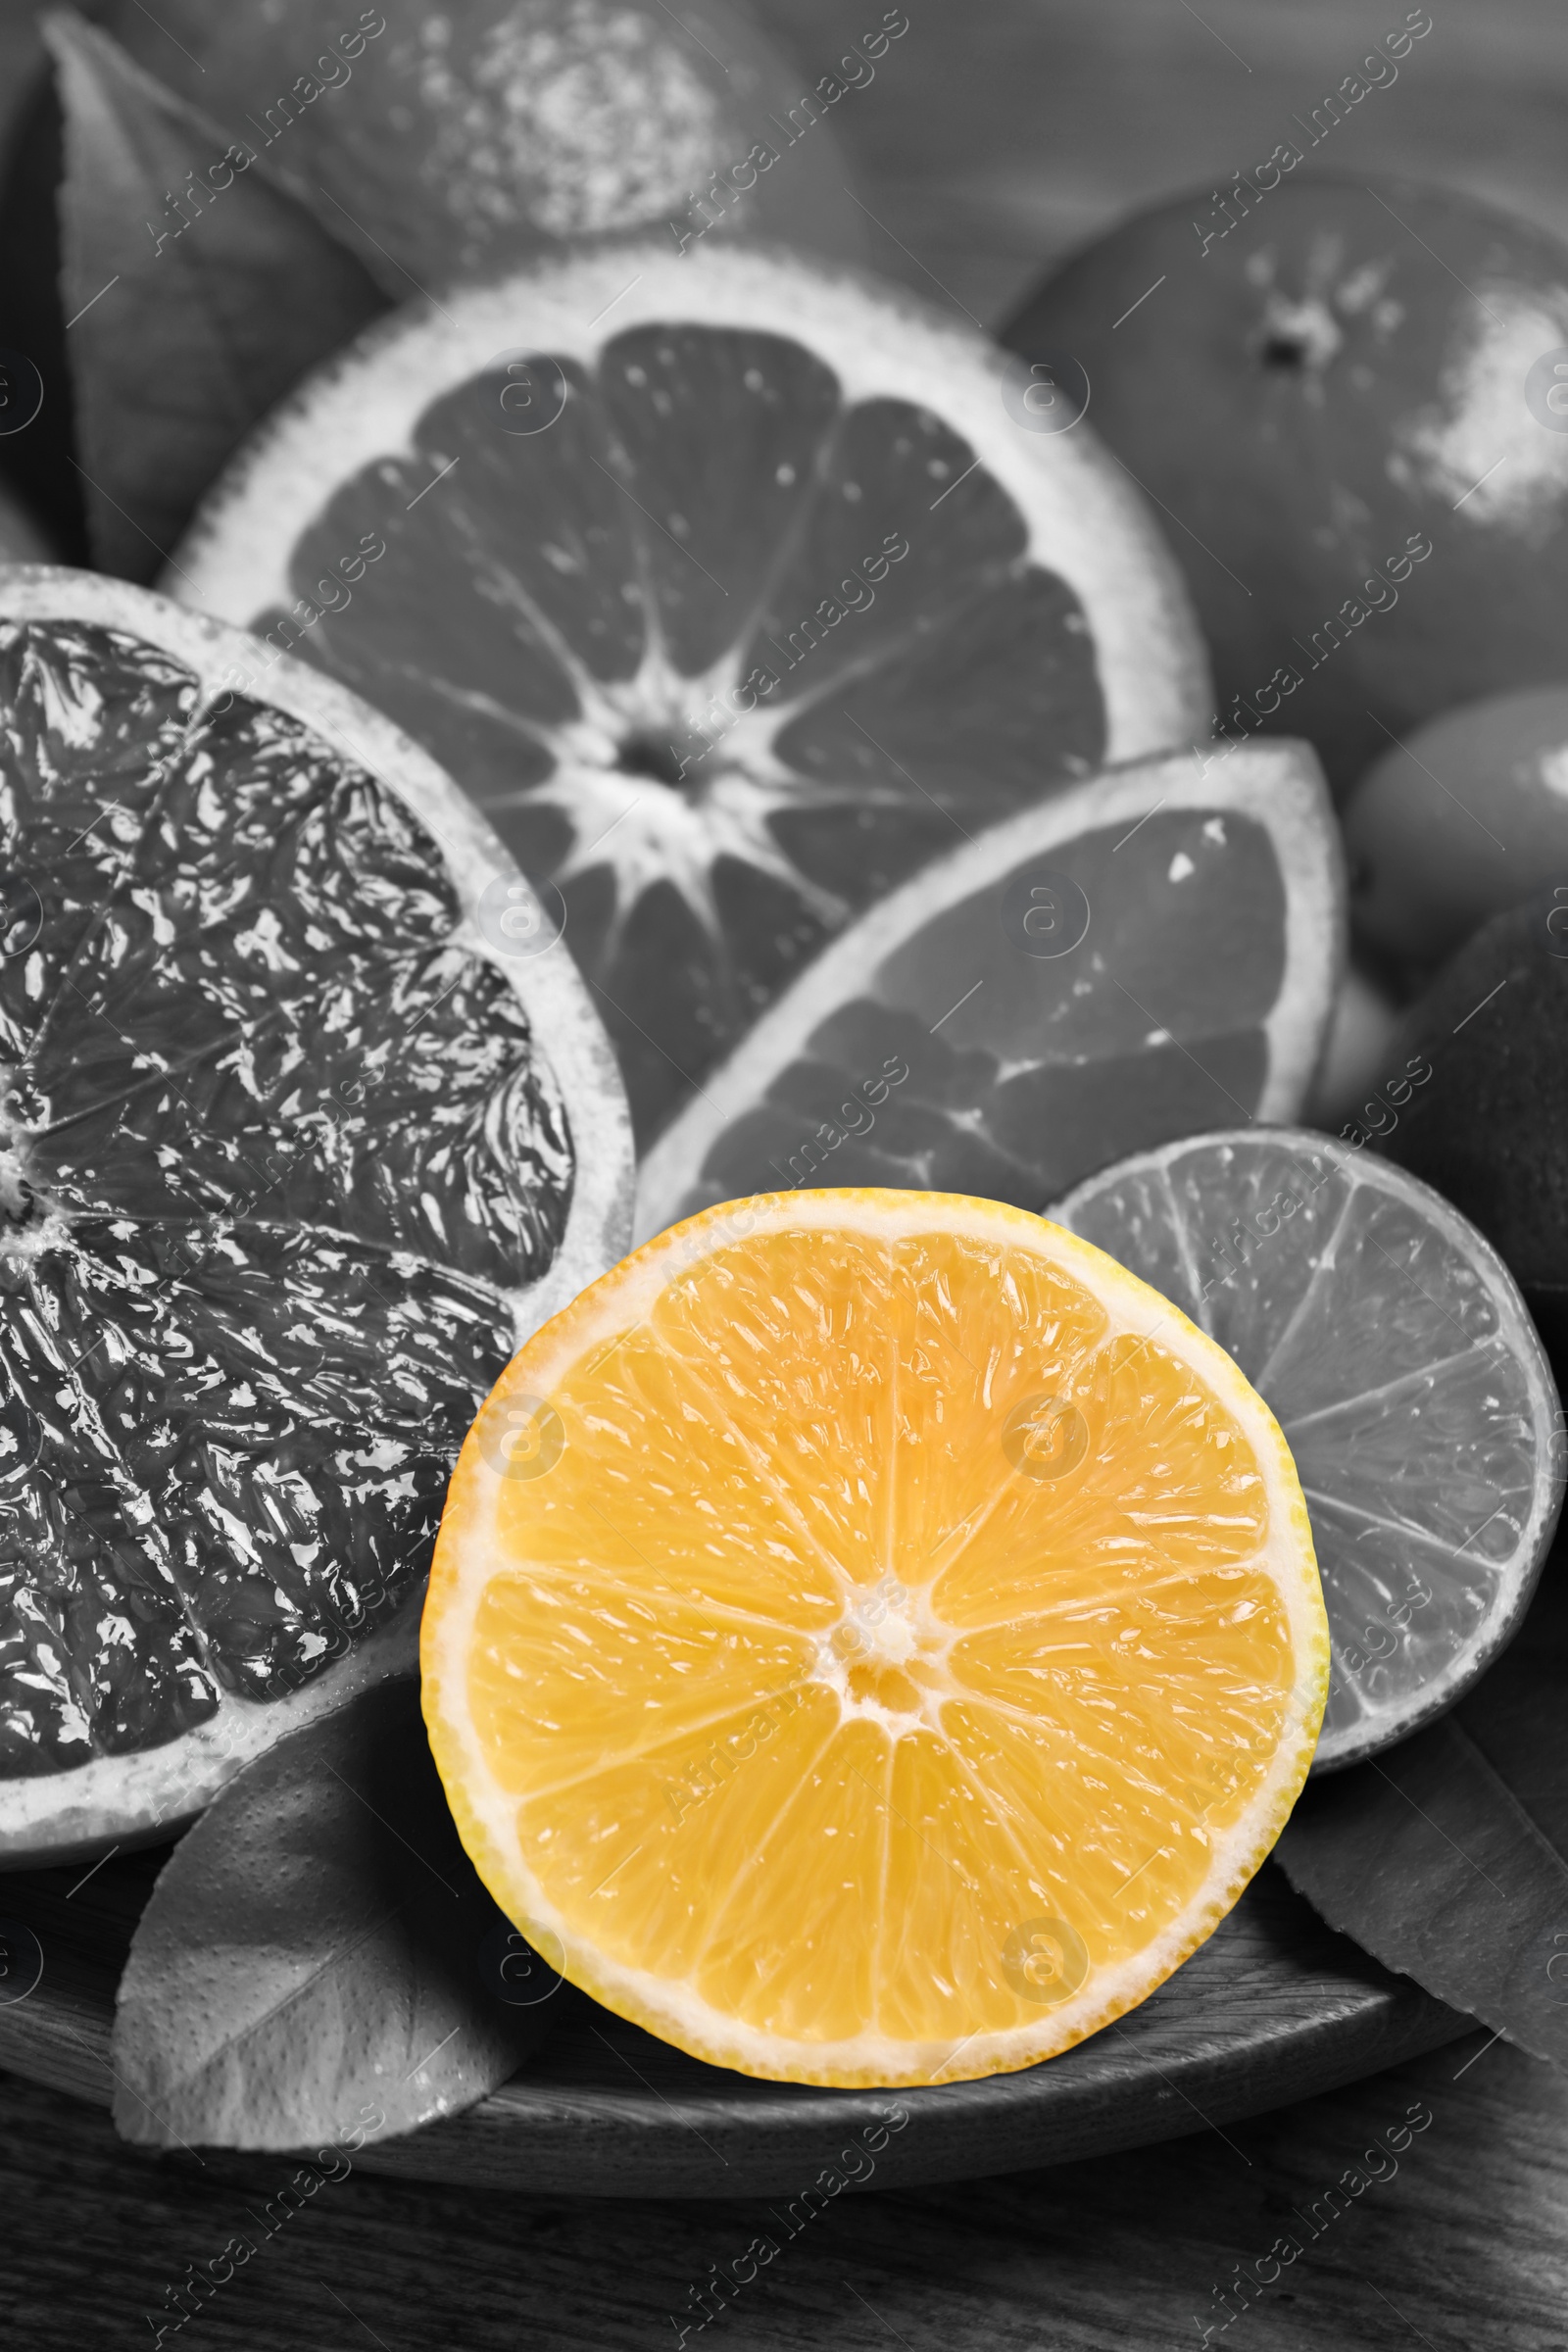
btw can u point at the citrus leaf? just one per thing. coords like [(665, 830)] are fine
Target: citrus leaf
[(319, 1955), (1448, 1858), (196, 288)]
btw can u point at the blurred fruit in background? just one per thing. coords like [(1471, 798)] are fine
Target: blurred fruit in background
[(1356, 1054), (1489, 1128), (478, 134), (1460, 822), (1351, 403), (435, 144), (21, 541)]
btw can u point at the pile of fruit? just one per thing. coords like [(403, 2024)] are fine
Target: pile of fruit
[(540, 703)]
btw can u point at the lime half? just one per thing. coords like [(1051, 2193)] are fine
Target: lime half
[(1393, 1343)]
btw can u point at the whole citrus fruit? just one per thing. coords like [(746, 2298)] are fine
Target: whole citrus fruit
[(1489, 1127), (448, 139), (1492, 1123), (1457, 822), (1353, 402)]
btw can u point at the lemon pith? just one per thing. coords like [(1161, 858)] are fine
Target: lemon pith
[(872, 1637)]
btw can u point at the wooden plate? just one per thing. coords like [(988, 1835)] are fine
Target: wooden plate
[(1273, 2008)]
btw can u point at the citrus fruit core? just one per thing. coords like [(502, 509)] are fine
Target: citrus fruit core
[(900, 1656)]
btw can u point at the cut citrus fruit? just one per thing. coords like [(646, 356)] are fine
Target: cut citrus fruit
[(872, 1637), (292, 1158), (1393, 1345), (1145, 956), (729, 589)]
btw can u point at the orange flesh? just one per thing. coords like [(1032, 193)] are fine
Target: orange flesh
[(882, 1605)]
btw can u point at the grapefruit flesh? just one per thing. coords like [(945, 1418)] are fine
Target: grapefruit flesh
[(290, 1161), (738, 597), (1152, 953)]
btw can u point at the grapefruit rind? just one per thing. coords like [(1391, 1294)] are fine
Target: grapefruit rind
[(1278, 785), (129, 1799), (466, 1551), (1376, 1729), (1085, 520)]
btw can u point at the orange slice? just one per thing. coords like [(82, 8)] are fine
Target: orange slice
[(873, 1637)]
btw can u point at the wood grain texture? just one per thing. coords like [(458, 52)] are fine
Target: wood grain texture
[(1464, 2246), (1272, 2006)]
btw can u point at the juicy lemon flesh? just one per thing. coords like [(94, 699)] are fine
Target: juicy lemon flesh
[(889, 1644)]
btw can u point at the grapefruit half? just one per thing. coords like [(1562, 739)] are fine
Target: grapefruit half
[(294, 1157)]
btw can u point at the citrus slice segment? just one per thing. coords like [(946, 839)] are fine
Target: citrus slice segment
[(1393, 1343), (731, 591), (1145, 956), (872, 1637), (291, 1160)]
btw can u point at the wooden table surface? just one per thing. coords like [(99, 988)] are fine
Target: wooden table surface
[(1461, 2244), (995, 136)]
